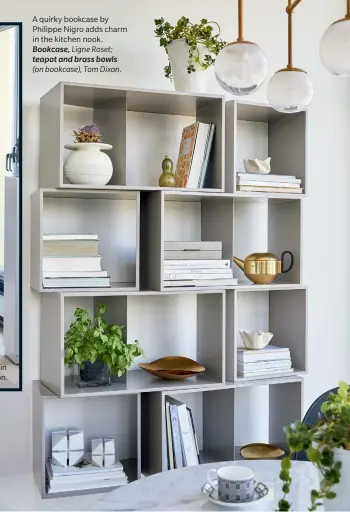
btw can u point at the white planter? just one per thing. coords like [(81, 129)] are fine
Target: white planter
[(178, 52), (87, 164), (342, 501)]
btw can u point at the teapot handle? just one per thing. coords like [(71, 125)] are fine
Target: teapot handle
[(285, 270)]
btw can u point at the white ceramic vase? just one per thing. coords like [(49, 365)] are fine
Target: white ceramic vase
[(86, 164), (342, 500), (178, 52)]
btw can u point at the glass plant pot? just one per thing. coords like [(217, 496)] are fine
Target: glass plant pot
[(92, 374)]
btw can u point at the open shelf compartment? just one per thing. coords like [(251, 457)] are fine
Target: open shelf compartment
[(151, 120), (258, 131), (170, 216), (114, 417), (281, 312), (224, 419), (190, 325), (261, 412), (268, 225), (113, 216)]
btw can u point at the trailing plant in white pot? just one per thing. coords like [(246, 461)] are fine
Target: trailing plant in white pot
[(327, 445), (191, 49), (86, 164)]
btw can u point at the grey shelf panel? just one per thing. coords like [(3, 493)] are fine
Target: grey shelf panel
[(139, 381), (115, 288), (139, 100), (265, 195), (122, 189)]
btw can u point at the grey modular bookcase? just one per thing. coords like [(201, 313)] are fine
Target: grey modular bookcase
[(133, 217)]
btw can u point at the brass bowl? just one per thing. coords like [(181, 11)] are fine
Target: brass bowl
[(173, 368), (258, 451)]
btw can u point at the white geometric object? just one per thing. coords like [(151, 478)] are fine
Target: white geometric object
[(97, 447), (109, 446), (59, 441), (60, 458), (97, 460), (86, 164), (75, 440), (109, 460), (256, 166), (103, 452), (75, 456)]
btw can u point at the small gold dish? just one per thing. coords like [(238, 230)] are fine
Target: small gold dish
[(258, 451), (173, 368)]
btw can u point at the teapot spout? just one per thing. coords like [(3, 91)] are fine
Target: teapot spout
[(239, 263)]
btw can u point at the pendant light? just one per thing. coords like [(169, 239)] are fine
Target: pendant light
[(241, 66), (335, 46), (290, 89)]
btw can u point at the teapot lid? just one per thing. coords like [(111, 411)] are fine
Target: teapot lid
[(262, 256)]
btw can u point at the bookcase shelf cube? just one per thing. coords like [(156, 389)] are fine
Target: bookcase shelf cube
[(281, 312), (191, 325), (150, 120), (114, 417), (170, 216), (275, 405), (268, 225), (258, 131), (223, 419), (113, 216)]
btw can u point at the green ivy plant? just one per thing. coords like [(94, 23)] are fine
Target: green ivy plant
[(92, 339), (318, 441), (194, 34)]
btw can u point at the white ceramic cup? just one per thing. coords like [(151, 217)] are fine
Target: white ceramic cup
[(235, 483)]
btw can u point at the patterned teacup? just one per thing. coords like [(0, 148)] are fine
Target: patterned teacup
[(235, 483)]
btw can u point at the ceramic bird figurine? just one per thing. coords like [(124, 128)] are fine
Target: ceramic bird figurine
[(256, 166)]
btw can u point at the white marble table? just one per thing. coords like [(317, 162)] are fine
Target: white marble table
[(180, 489)]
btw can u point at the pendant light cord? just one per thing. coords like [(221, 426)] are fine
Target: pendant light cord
[(240, 20)]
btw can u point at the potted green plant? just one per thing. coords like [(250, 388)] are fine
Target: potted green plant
[(191, 50), (97, 348), (87, 164), (327, 445)]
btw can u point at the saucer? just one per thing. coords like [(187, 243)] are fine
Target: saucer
[(257, 503)]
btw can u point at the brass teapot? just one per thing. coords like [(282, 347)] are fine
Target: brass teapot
[(264, 267)]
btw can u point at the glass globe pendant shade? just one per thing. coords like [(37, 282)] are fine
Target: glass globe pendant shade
[(335, 48), (290, 91), (241, 67)]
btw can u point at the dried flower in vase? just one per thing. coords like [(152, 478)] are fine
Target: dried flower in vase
[(89, 133)]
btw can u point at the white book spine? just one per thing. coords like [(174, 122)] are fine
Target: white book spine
[(194, 246), (72, 264), (215, 283), (268, 177), (277, 190), (198, 155), (192, 255), (196, 272), (268, 184), (188, 444), (188, 264), (64, 237), (179, 276)]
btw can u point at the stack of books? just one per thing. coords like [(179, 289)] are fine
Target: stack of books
[(196, 264), (258, 363), (83, 476), (273, 183), (194, 154), (182, 444), (72, 261)]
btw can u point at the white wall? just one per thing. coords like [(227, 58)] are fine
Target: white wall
[(5, 113), (142, 62)]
